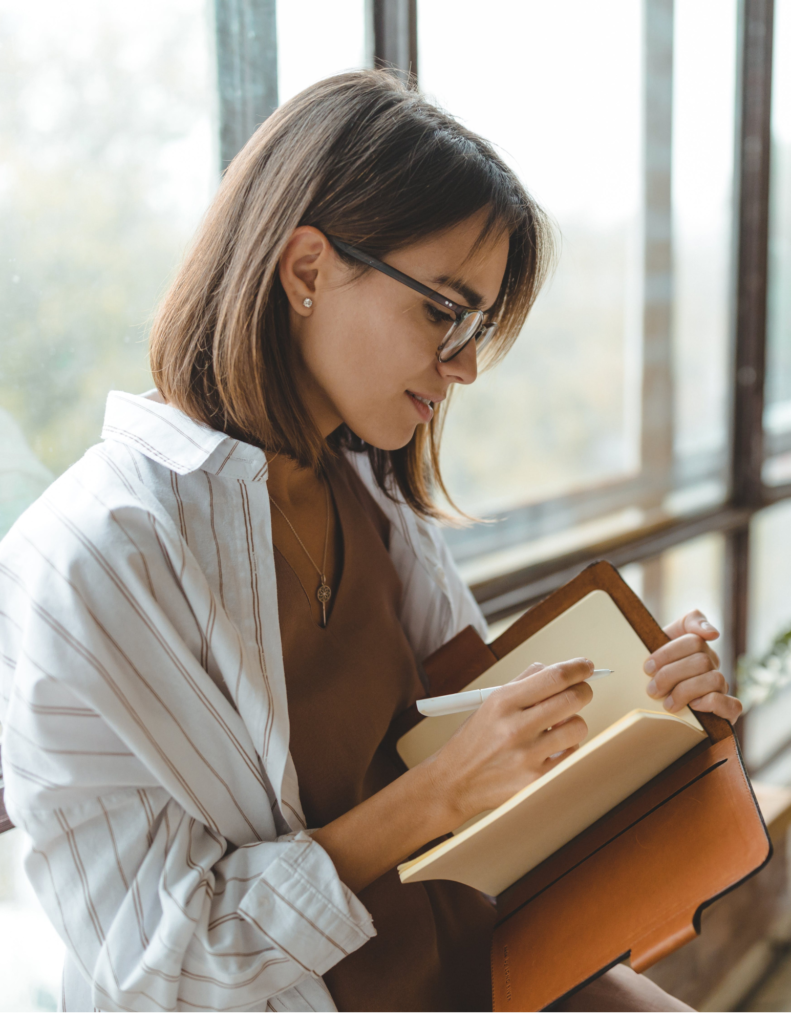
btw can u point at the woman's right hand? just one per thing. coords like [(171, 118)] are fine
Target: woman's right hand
[(517, 735)]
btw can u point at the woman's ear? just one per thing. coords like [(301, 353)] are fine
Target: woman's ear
[(303, 268)]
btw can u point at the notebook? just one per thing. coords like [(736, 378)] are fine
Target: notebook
[(630, 740)]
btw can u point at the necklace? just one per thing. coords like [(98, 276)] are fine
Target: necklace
[(324, 593)]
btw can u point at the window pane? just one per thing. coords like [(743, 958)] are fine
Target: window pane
[(31, 951), (109, 158), (768, 725), (681, 579), (777, 417), (557, 87), (703, 145), (316, 39)]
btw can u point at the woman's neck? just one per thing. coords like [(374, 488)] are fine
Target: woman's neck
[(291, 483)]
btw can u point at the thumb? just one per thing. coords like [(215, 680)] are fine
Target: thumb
[(693, 622)]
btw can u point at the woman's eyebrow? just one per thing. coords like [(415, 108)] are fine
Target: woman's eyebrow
[(473, 299)]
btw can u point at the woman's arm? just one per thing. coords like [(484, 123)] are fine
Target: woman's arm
[(159, 914), (154, 846), (500, 749)]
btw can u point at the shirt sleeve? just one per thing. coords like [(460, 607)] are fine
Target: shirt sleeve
[(159, 913), (154, 843)]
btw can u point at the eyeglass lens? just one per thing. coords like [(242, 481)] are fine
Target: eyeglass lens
[(464, 331)]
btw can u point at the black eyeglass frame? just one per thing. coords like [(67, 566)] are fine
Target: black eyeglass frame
[(461, 313)]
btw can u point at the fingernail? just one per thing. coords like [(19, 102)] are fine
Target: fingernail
[(651, 688), (650, 667), (668, 703), (708, 627)]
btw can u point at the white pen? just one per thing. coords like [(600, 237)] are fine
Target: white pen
[(469, 700)]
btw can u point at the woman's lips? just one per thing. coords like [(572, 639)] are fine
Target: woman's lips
[(425, 409)]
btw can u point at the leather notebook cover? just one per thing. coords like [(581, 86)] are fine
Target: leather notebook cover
[(632, 886)]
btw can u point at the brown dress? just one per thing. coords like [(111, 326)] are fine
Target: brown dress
[(346, 684)]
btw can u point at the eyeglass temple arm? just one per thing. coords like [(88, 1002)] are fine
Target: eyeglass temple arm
[(396, 275)]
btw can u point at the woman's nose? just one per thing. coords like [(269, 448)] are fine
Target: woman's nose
[(463, 368)]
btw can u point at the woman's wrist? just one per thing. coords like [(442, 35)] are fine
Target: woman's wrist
[(441, 793), (435, 791), (389, 826)]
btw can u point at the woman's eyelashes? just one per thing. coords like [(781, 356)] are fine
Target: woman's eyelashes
[(438, 316)]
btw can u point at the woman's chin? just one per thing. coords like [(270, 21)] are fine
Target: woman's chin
[(386, 437)]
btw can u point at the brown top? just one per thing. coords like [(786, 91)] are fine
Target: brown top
[(346, 684)]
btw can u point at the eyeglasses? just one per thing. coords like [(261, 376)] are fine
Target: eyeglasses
[(468, 324)]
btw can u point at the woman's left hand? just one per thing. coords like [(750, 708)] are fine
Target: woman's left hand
[(685, 670)]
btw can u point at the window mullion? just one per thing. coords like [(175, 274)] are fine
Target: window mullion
[(657, 399), (395, 36), (246, 34), (753, 150)]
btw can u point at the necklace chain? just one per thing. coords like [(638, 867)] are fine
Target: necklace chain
[(324, 593)]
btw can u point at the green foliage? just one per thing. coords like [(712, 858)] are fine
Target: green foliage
[(761, 678)]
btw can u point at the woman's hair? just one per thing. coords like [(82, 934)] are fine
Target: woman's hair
[(366, 158)]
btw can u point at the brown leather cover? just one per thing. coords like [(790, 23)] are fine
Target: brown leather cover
[(634, 884)]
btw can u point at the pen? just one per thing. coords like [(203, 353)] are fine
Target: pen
[(469, 700)]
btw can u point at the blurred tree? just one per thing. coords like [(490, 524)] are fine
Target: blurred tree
[(107, 157)]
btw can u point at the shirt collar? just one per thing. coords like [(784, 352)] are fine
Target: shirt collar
[(170, 437)]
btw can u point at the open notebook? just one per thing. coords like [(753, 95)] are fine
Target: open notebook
[(630, 740)]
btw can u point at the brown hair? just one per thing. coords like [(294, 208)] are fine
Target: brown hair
[(366, 158)]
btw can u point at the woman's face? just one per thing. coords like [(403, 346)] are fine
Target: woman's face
[(369, 343)]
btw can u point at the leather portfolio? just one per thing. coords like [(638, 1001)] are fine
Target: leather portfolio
[(630, 887)]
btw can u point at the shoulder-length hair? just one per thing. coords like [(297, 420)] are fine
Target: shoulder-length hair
[(368, 159)]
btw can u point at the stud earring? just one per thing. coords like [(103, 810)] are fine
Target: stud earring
[(307, 302)]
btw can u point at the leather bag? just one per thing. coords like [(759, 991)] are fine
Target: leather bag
[(631, 887)]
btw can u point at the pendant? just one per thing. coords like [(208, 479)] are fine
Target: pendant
[(323, 594)]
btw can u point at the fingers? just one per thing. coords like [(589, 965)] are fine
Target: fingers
[(537, 686), (554, 759), (682, 647), (719, 704), (693, 622), (529, 671), (555, 710), (692, 689), (563, 737), (669, 677)]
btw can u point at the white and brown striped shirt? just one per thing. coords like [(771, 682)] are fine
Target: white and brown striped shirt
[(145, 739)]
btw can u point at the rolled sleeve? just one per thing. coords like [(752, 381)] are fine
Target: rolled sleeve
[(300, 904)]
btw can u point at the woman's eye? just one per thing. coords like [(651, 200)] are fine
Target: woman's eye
[(437, 316)]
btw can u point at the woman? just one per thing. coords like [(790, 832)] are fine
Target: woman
[(210, 623)]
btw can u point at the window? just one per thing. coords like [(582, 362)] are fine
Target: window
[(565, 112), (616, 396), (316, 39), (109, 161), (777, 415)]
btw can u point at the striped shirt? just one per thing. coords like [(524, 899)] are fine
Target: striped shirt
[(145, 722)]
